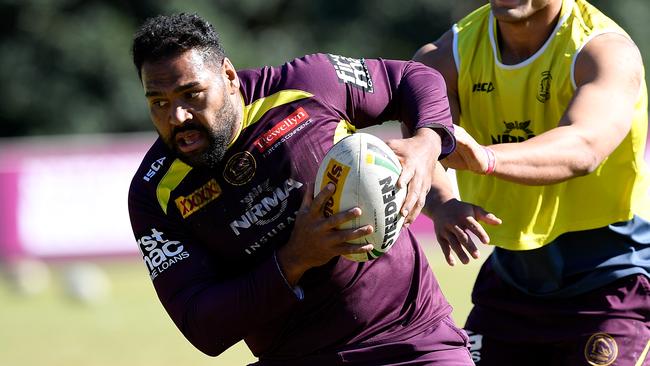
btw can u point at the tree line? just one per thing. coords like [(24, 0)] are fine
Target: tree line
[(65, 66)]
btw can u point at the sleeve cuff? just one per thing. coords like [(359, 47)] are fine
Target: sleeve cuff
[(297, 290), (448, 141)]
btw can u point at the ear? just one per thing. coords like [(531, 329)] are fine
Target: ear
[(230, 78)]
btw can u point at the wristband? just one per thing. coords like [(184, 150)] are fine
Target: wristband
[(492, 161)]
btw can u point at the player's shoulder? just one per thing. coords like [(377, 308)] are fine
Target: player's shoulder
[(611, 53), (436, 51), (440, 56), (301, 73), (153, 167)]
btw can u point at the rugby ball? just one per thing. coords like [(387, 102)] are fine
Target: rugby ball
[(364, 171)]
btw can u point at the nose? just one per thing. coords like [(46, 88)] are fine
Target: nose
[(180, 115)]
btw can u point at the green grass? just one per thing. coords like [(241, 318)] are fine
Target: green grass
[(130, 327)]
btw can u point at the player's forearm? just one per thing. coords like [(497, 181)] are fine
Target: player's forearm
[(553, 157), (422, 97), (214, 315), (441, 191)]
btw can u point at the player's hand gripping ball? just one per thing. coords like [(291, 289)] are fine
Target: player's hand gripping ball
[(364, 171)]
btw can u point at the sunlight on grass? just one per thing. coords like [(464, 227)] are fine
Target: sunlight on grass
[(130, 327)]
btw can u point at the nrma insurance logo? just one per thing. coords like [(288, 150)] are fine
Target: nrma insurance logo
[(159, 253)]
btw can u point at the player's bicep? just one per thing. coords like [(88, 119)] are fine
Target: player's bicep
[(440, 56), (608, 74)]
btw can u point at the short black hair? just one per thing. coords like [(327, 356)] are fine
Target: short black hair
[(170, 35)]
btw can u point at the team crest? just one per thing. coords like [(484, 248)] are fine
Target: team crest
[(240, 168), (601, 350), (544, 93)]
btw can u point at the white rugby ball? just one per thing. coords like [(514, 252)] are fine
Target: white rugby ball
[(364, 171)]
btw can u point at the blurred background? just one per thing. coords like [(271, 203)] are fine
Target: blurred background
[(74, 127)]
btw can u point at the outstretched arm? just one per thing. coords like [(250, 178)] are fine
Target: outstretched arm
[(608, 75)]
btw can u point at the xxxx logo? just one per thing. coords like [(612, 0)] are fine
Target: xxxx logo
[(199, 198)]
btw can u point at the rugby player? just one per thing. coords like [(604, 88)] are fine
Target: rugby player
[(222, 212), (552, 104)]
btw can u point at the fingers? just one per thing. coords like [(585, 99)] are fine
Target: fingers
[(344, 236), (405, 178), (409, 208), (307, 197), (446, 250), (457, 228), (416, 196), (457, 240), (474, 227), (342, 217), (349, 248), (487, 217), (462, 240), (318, 204)]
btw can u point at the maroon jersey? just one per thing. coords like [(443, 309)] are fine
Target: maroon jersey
[(208, 236)]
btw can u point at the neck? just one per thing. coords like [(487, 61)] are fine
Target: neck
[(519, 40)]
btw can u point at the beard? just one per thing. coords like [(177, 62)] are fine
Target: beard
[(218, 135)]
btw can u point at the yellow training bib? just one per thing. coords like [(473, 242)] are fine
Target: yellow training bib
[(512, 103)]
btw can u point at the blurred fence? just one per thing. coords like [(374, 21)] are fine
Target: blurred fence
[(66, 197)]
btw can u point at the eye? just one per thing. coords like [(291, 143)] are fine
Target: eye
[(159, 103), (192, 95)]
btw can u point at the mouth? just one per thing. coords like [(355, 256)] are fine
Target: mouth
[(507, 3), (190, 141)]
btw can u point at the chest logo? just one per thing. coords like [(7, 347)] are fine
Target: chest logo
[(196, 200), (483, 87), (154, 167), (283, 130), (544, 93), (515, 131), (240, 168), (601, 350), (264, 205)]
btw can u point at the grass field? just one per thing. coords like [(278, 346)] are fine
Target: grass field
[(130, 328)]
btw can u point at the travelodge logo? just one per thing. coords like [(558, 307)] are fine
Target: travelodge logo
[(199, 198), (285, 126)]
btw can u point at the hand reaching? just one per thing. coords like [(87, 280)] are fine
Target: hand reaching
[(454, 220), (469, 154)]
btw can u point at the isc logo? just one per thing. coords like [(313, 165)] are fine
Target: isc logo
[(483, 87), (159, 253), (155, 166)]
